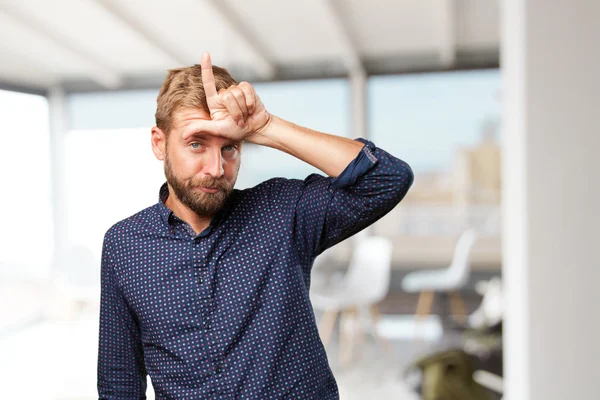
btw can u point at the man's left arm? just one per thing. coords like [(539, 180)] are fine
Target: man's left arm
[(331, 154), (364, 183)]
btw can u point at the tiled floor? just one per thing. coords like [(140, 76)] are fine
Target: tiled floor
[(60, 357), (377, 373), (373, 375)]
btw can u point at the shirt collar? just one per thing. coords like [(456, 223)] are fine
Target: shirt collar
[(164, 211)]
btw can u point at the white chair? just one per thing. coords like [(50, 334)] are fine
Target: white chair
[(365, 284), (491, 310), (489, 381), (450, 280)]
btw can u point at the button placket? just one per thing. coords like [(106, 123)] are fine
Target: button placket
[(199, 265), (203, 270)]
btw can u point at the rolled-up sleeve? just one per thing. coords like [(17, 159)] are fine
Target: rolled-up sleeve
[(329, 210), (121, 371)]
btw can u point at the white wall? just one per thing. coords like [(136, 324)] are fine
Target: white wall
[(551, 66)]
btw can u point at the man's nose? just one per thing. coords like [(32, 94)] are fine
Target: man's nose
[(214, 164)]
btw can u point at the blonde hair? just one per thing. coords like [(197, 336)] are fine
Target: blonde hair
[(183, 88)]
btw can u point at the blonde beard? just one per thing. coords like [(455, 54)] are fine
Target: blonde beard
[(188, 192)]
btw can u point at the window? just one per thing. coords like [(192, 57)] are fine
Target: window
[(424, 118), (26, 228), (321, 105)]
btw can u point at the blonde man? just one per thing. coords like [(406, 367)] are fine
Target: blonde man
[(207, 290)]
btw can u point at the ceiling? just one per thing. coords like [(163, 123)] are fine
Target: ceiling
[(88, 45)]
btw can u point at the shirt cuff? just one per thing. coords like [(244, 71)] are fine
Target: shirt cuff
[(363, 162)]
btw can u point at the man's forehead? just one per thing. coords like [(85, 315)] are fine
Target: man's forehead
[(185, 116), (186, 121), (187, 126)]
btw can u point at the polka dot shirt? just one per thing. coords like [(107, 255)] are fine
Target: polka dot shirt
[(225, 314)]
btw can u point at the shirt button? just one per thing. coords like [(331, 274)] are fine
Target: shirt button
[(200, 281), (218, 369), (207, 326)]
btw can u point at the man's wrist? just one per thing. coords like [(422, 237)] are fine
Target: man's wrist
[(262, 136)]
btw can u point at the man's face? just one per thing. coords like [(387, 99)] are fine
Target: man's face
[(201, 169)]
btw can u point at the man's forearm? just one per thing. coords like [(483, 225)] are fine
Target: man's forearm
[(331, 154)]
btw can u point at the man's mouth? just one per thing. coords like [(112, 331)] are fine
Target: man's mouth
[(209, 189)]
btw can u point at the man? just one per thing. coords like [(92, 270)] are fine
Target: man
[(208, 290)]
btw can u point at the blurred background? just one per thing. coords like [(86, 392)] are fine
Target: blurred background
[(484, 279)]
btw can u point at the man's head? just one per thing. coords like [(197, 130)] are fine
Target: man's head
[(202, 161)]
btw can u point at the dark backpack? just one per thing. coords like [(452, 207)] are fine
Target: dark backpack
[(448, 375)]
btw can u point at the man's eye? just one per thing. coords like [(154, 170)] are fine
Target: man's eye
[(195, 145), (229, 148)]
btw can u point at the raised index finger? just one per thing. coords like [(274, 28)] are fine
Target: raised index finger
[(208, 79)]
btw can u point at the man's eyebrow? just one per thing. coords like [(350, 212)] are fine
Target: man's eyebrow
[(196, 134)]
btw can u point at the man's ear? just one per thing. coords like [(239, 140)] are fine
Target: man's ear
[(159, 143)]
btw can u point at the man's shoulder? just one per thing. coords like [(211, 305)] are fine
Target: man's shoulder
[(261, 192), (278, 187), (141, 220)]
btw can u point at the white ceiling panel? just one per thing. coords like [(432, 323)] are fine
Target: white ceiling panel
[(292, 31), (186, 27), (95, 44), (21, 72), (19, 45), (478, 24), (392, 27), (91, 27)]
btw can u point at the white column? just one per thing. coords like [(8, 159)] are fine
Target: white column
[(551, 72), (58, 130), (358, 93), (358, 98)]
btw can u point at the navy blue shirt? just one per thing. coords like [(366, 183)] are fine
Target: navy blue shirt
[(225, 314)]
